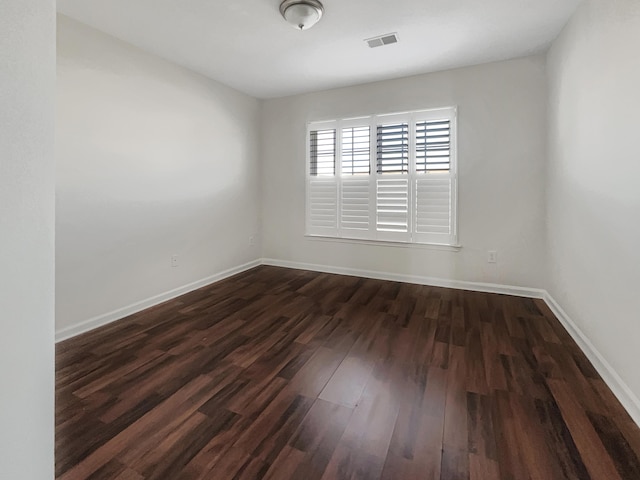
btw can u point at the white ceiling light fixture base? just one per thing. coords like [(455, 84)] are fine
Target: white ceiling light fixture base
[(302, 14)]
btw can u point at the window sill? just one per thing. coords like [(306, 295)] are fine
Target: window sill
[(382, 243)]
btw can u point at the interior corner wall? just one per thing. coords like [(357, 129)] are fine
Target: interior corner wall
[(27, 181), (501, 157), (594, 179), (152, 161)]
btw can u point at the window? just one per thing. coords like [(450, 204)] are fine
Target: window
[(384, 177), (323, 153), (355, 151), (392, 155)]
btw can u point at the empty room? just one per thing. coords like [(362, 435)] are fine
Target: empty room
[(319, 239)]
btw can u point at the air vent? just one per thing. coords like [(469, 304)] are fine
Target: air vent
[(386, 39)]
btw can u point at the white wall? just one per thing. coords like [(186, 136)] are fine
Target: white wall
[(594, 179), (501, 156), (152, 160), (27, 76)]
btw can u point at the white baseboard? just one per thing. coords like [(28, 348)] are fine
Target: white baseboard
[(106, 318), (416, 279), (120, 313), (620, 389)]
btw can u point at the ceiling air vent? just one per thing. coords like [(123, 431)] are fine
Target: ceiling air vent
[(386, 39)]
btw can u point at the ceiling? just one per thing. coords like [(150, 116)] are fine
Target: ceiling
[(247, 45)]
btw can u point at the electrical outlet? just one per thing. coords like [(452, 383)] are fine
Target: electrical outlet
[(492, 256), (174, 260), (252, 240)]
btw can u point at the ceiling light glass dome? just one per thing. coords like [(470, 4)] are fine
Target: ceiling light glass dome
[(302, 14)]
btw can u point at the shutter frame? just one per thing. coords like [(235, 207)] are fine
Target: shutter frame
[(427, 185), (355, 188), (321, 210)]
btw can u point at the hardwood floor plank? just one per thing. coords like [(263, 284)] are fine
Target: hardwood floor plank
[(455, 458), (128, 474), (347, 383), (371, 425), (269, 430), (594, 455), (455, 414), (559, 440), (109, 470), (285, 465), (228, 427), (318, 437), (312, 378), (482, 468), (494, 372), (351, 464), (623, 456), (539, 461), (416, 444), (481, 437), (506, 432), (455, 464)]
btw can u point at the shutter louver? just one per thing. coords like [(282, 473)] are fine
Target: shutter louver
[(392, 207), (433, 145), (355, 207), (393, 148), (356, 151), (433, 205), (322, 199)]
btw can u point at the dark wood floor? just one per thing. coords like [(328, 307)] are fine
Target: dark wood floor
[(281, 374)]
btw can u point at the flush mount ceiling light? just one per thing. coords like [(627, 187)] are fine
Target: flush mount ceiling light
[(302, 14)]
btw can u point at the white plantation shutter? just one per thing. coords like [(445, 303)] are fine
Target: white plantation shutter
[(392, 208), (322, 206), (434, 178), (387, 177), (355, 185), (355, 206), (322, 185), (392, 178), (433, 209)]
